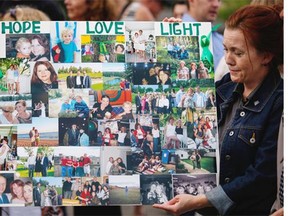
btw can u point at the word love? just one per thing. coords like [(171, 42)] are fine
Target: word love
[(20, 27), (115, 28)]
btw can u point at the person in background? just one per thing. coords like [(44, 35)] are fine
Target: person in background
[(179, 8), (23, 13), (252, 94), (82, 10), (206, 11), (133, 11), (154, 6), (53, 9)]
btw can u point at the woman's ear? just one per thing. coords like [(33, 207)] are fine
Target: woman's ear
[(267, 58)]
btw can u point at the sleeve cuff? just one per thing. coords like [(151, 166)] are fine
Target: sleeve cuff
[(219, 199)]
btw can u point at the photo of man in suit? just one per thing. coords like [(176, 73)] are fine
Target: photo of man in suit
[(3, 197), (86, 80), (37, 194), (70, 80), (78, 80), (45, 164), (73, 135), (138, 103)]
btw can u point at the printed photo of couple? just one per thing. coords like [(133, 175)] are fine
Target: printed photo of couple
[(15, 191), (47, 191), (14, 75), (69, 103), (35, 161), (43, 132)]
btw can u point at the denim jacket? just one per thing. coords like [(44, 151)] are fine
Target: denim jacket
[(249, 148)]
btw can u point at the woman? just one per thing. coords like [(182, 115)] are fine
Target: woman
[(199, 135), (22, 115), (28, 193), (47, 198), (121, 165), (7, 116), (10, 79), (38, 165), (139, 133), (16, 79), (193, 71), (43, 78), (3, 152), (170, 132), (164, 77), (160, 194), (251, 95), (103, 109), (100, 192), (179, 130), (81, 107), (94, 201), (16, 189), (114, 169), (143, 103), (152, 195), (187, 99), (107, 137), (182, 72), (37, 137), (210, 99), (105, 198), (40, 48)]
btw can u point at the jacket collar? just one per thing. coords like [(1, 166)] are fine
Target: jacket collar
[(230, 90)]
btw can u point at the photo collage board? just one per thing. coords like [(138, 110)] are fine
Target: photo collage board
[(106, 113)]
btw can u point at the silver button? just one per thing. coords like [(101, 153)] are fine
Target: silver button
[(231, 133), (227, 180), (252, 140), (227, 157), (242, 113)]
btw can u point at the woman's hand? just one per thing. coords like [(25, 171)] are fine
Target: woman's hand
[(279, 212), (184, 203)]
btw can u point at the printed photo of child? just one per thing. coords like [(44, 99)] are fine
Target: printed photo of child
[(65, 48), (23, 47)]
